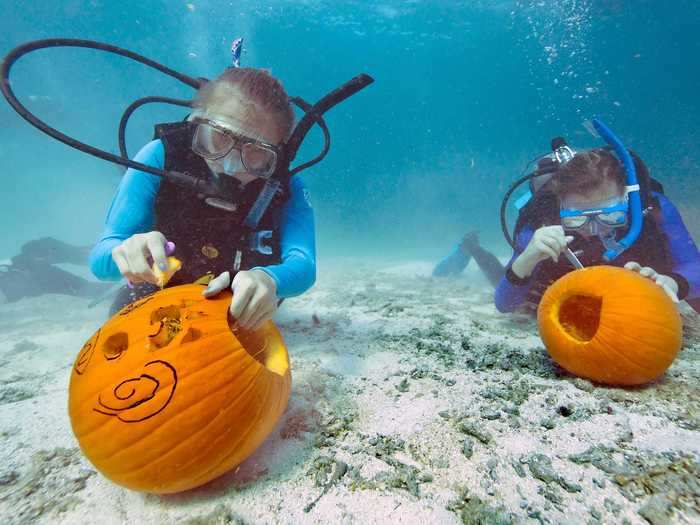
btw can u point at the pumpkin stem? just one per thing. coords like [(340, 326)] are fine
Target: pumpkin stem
[(579, 315)]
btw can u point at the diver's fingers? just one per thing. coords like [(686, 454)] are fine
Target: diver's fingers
[(120, 260), (648, 272), (217, 285), (668, 285), (264, 316), (554, 238), (243, 289), (549, 252), (634, 266), (562, 239), (551, 247), (139, 267), (155, 244), (561, 242), (255, 307), (670, 293)]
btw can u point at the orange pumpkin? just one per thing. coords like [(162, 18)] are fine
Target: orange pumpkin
[(610, 325), (165, 396)]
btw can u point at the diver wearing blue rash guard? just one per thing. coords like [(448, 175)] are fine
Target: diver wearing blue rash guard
[(584, 207), (229, 204), (132, 211), (230, 140)]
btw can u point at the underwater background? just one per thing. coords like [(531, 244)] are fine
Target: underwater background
[(466, 93)]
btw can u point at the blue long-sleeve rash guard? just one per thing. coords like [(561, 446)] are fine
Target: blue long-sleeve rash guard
[(683, 251), (132, 211)]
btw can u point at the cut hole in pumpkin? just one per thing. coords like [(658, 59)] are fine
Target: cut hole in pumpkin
[(170, 325), (579, 315), (115, 345), (262, 347)]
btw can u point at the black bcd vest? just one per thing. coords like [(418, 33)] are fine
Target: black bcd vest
[(210, 240)]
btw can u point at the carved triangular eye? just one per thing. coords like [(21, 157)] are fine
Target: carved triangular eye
[(168, 319)]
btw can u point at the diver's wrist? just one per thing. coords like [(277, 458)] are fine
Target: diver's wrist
[(523, 266)]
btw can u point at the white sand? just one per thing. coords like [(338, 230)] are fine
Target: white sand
[(387, 354)]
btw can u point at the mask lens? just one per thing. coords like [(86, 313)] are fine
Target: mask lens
[(211, 143), (574, 222), (615, 218), (258, 159)]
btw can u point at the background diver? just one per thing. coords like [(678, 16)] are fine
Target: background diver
[(32, 272), (581, 206)]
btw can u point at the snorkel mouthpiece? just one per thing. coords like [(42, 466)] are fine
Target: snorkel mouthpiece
[(615, 248)]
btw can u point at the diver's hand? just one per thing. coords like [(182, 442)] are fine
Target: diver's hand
[(667, 284), (132, 256), (254, 296), (547, 242)]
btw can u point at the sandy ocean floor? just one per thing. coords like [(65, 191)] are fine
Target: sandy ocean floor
[(413, 401)]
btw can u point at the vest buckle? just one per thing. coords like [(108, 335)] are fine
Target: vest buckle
[(257, 242)]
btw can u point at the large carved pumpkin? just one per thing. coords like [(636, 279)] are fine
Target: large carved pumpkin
[(165, 397), (610, 325)]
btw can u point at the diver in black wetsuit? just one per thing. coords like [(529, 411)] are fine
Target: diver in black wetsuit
[(469, 248), (32, 272)]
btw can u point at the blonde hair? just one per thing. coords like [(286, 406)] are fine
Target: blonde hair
[(255, 89)]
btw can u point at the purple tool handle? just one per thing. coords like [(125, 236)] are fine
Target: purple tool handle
[(169, 250)]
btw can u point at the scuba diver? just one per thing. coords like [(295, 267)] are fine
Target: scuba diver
[(468, 249), (233, 136), (217, 189), (32, 272), (595, 207)]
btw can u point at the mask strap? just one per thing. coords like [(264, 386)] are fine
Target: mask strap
[(630, 188)]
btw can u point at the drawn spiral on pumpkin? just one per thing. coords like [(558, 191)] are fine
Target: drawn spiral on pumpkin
[(134, 399), (83, 360)]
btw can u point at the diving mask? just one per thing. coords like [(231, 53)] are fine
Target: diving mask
[(592, 221), (234, 151)]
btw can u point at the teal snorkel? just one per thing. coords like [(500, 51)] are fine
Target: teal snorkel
[(614, 247)]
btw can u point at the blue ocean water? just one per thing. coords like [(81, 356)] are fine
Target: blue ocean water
[(465, 94)]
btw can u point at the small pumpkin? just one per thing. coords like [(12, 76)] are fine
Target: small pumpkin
[(610, 325), (165, 396)]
